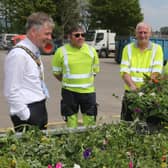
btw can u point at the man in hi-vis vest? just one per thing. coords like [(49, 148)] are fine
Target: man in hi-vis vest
[(139, 58), (75, 64)]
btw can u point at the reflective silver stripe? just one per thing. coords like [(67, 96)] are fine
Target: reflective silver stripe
[(78, 85), (92, 56), (129, 52), (157, 70), (56, 69), (152, 60), (73, 76), (91, 52), (77, 76), (153, 54), (125, 70), (157, 63), (96, 65), (136, 79), (65, 59), (140, 69), (124, 63)]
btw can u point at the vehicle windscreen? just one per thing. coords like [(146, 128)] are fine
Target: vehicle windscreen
[(89, 36), (8, 38)]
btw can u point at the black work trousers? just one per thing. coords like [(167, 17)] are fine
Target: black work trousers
[(126, 114), (72, 101), (38, 117)]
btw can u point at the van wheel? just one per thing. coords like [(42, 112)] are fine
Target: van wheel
[(103, 54)]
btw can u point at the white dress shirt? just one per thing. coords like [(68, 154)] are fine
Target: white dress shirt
[(22, 84)]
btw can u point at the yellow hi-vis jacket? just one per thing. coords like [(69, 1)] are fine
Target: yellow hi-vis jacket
[(77, 66), (165, 69), (137, 63)]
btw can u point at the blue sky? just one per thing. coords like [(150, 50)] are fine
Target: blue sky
[(155, 12)]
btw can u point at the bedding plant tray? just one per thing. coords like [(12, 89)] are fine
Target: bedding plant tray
[(106, 146)]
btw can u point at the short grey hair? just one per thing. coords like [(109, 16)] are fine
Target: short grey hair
[(143, 24), (38, 19)]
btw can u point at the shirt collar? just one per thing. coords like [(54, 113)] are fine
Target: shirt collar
[(31, 46)]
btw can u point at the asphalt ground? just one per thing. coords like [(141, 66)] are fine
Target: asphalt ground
[(107, 83)]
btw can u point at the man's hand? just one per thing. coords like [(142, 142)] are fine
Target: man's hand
[(133, 88), (127, 79), (24, 114)]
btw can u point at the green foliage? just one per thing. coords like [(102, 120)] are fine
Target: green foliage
[(68, 14), (110, 146), (150, 100), (164, 30), (64, 12), (119, 16), (16, 12)]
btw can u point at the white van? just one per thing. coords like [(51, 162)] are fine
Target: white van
[(5, 40)]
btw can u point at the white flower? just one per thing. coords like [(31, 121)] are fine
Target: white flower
[(152, 94), (76, 166), (140, 93)]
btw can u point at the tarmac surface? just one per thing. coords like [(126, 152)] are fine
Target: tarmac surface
[(107, 83)]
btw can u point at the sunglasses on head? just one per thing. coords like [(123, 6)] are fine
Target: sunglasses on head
[(78, 35)]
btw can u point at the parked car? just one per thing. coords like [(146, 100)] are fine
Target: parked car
[(17, 38), (5, 40), (49, 48)]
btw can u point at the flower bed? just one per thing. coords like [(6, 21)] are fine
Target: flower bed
[(150, 103), (107, 146)]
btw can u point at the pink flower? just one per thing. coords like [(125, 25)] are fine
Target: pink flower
[(58, 165), (49, 166), (130, 164)]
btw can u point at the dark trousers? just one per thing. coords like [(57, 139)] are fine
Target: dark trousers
[(38, 117), (126, 114), (72, 101)]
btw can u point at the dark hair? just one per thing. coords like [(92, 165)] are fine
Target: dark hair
[(38, 19), (75, 28)]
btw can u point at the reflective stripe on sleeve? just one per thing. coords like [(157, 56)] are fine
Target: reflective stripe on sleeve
[(125, 70), (158, 63), (142, 70), (136, 79), (156, 70), (56, 69), (124, 63)]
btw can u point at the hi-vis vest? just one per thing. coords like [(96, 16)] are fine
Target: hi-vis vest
[(141, 70), (137, 69), (77, 66)]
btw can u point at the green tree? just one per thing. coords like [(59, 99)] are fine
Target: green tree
[(120, 16), (15, 12), (164, 30), (68, 14), (85, 15), (64, 12)]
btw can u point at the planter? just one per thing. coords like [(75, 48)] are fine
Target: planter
[(105, 146)]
